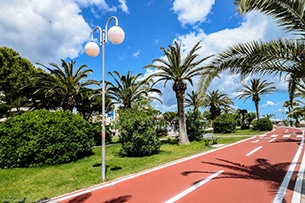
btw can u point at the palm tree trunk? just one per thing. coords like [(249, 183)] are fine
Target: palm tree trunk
[(257, 110), (183, 138)]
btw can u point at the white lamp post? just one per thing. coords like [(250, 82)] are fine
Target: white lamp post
[(116, 35)]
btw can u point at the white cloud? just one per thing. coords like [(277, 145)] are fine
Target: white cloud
[(268, 103), (46, 31), (100, 4), (43, 31), (192, 11), (123, 6), (136, 54)]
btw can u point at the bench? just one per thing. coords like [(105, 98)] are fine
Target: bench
[(210, 137)]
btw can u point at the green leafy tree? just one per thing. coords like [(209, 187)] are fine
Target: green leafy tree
[(177, 70), (63, 84), (216, 101), (129, 89), (250, 117), (254, 90), (15, 72), (243, 114), (172, 119)]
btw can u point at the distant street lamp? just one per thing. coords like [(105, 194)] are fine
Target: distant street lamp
[(116, 35)]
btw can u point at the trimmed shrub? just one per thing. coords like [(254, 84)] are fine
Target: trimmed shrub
[(41, 137), (224, 123), (137, 133), (195, 126), (263, 124)]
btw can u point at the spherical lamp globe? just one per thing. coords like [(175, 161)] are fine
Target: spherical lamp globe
[(116, 35), (92, 49)]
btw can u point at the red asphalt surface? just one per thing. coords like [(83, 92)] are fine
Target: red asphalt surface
[(253, 170)]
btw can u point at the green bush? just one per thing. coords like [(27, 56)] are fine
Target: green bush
[(224, 123), (263, 124), (96, 131), (195, 126), (137, 133), (44, 138), (244, 126)]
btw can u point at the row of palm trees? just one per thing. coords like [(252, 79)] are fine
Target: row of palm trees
[(278, 57)]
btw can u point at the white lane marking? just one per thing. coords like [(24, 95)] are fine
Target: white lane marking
[(297, 192), (255, 141), (299, 136), (128, 177), (273, 135), (286, 135), (194, 187), (283, 188), (253, 151), (272, 140)]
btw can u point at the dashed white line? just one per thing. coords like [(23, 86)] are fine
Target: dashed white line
[(297, 192), (286, 135), (283, 188), (272, 140), (194, 187), (273, 135), (253, 151)]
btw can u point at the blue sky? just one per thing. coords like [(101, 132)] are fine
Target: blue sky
[(50, 30)]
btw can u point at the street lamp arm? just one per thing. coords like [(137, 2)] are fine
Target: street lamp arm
[(104, 32)]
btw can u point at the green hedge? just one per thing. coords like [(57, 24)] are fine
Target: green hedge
[(225, 123), (263, 124), (44, 138)]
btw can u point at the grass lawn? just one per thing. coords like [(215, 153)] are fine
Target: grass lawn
[(34, 184)]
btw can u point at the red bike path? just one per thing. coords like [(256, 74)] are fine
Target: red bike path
[(265, 168)]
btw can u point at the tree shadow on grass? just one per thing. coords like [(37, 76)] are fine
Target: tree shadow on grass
[(262, 170)]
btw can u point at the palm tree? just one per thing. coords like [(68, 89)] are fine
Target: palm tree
[(282, 56), (194, 99), (129, 89), (216, 101), (173, 68), (289, 14), (254, 90), (290, 106), (63, 84)]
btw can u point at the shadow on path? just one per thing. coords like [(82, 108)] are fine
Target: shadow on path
[(262, 170)]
